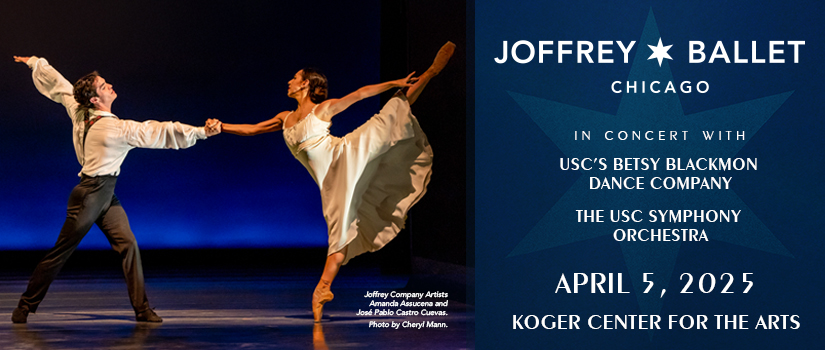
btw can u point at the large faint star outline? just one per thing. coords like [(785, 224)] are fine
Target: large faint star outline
[(647, 111)]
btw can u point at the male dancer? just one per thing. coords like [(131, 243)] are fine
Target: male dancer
[(101, 142)]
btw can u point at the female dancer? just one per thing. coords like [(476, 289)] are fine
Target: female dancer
[(369, 178)]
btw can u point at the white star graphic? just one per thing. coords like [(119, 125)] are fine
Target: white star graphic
[(660, 52)]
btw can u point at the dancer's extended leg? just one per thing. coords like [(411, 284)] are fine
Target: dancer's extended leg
[(115, 225), (440, 61), (86, 201), (322, 294)]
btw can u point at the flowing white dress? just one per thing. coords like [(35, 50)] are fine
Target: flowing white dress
[(369, 178)]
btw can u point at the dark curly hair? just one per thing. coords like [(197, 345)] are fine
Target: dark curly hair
[(84, 90), (317, 84)]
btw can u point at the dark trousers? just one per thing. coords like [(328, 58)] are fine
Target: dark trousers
[(93, 201)]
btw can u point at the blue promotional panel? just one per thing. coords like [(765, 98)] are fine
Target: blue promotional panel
[(648, 175)]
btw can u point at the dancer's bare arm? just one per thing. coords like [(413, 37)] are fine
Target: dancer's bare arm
[(329, 108), (274, 124)]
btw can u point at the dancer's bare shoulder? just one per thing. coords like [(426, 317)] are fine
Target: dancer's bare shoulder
[(323, 111), (275, 123), (284, 117)]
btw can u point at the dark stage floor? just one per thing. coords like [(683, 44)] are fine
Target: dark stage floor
[(226, 309)]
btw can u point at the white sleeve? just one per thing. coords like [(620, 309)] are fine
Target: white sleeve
[(52, 84), (154, 134)]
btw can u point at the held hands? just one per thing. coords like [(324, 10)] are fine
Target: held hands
[(405, 82), (212, 127)]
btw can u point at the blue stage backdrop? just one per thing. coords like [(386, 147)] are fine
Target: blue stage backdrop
[(543, 224), (184, 61)]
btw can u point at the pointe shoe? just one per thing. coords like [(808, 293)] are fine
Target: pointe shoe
[(441, 59), (319, 298)]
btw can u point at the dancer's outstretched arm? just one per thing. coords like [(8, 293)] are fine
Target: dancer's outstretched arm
[(50, 82), (274, 124), (169, 135), (329, 108)]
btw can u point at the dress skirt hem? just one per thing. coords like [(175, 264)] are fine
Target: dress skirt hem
[(389, 161)]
